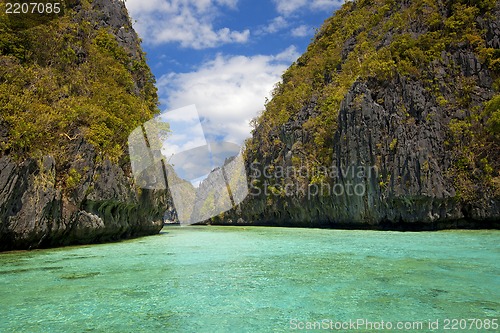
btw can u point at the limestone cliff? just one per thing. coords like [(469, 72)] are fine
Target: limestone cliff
[(396, 100), (71, 89)]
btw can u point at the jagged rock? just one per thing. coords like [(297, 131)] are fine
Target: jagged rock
[(29, 202), (105, 205), (395, 124)]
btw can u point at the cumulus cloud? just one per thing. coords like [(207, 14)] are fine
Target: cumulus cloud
[(228, 91), (280, 23), (186, 130), (275, 25), (287, 7), (187, 22), (301, 31)]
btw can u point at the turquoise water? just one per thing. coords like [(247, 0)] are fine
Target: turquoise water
[(253, 279)]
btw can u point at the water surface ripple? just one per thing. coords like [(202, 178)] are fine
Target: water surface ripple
[(251, 279)]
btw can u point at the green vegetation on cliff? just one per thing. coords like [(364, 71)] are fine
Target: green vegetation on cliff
[(73, 86), (69, 77)]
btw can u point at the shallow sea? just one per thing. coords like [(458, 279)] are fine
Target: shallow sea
[(257, 279)]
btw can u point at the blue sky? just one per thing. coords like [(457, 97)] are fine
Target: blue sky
[(224, 56)]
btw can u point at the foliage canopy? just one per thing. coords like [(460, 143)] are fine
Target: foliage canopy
[(67, 78)]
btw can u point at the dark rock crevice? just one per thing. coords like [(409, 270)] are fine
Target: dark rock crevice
[(35, 212)]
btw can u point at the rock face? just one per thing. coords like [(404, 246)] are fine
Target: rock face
[(103, 205), (77, 195), (393, 156)]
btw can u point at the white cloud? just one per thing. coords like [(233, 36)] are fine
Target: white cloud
[(287, 7), (289, 55), (228, 91), (275, 25), (326, 4), (186, 130), (187, 22), (301, 31)]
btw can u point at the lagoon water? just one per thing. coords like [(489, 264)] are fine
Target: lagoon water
[(254, 279)]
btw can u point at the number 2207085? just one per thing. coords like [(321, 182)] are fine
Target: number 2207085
[(33, 8)]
